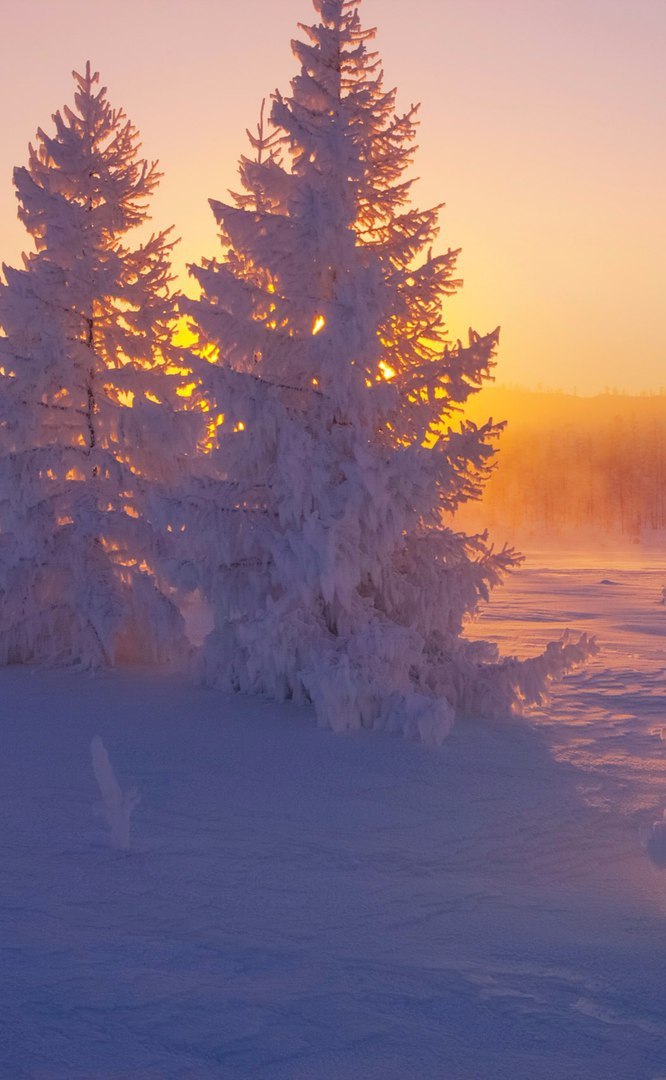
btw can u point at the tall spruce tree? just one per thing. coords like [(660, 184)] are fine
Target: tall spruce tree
[(85, 416), (336, 580)]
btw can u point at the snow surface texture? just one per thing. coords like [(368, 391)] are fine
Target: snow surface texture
[(298, 905)]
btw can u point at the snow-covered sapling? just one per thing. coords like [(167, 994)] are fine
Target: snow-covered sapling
[(116, 805), (656, 843)]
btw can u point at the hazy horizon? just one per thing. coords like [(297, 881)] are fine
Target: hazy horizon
[(554, 391)]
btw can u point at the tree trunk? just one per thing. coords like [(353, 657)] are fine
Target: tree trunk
[(92, 405)]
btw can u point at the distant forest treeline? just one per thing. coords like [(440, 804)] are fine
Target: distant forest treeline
[(573, 463)]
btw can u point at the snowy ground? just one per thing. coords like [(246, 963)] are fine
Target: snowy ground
[(302, 905)]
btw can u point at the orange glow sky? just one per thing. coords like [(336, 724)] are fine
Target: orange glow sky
[(543, 130)]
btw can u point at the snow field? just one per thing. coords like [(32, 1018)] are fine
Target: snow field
[(298, 905)]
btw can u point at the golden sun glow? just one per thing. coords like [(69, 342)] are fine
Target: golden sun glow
[(186, 390), (185, 337), (318, 324)]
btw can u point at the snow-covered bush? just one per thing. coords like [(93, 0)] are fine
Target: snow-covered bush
[(341, 441), (116, 805), (88, 375), (655, 842)]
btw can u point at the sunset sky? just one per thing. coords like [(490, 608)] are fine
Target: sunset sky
[(543, 130)]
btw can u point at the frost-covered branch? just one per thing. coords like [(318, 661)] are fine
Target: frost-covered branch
[(116, 806)]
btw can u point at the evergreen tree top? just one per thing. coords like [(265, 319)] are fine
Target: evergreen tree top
[(91, 164)]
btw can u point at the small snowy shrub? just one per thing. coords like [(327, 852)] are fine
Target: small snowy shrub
[(656, 843), (116, 806)]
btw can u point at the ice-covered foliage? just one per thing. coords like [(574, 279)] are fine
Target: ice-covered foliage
[(88, 375), (656, 842), (322, 547), (116, 805)]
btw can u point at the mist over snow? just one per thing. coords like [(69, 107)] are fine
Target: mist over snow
[(578, 474)]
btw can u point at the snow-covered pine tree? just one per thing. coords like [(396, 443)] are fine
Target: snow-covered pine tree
[(86, 426), (336, 580)]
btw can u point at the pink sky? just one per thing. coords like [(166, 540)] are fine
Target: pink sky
[(543, 130)]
